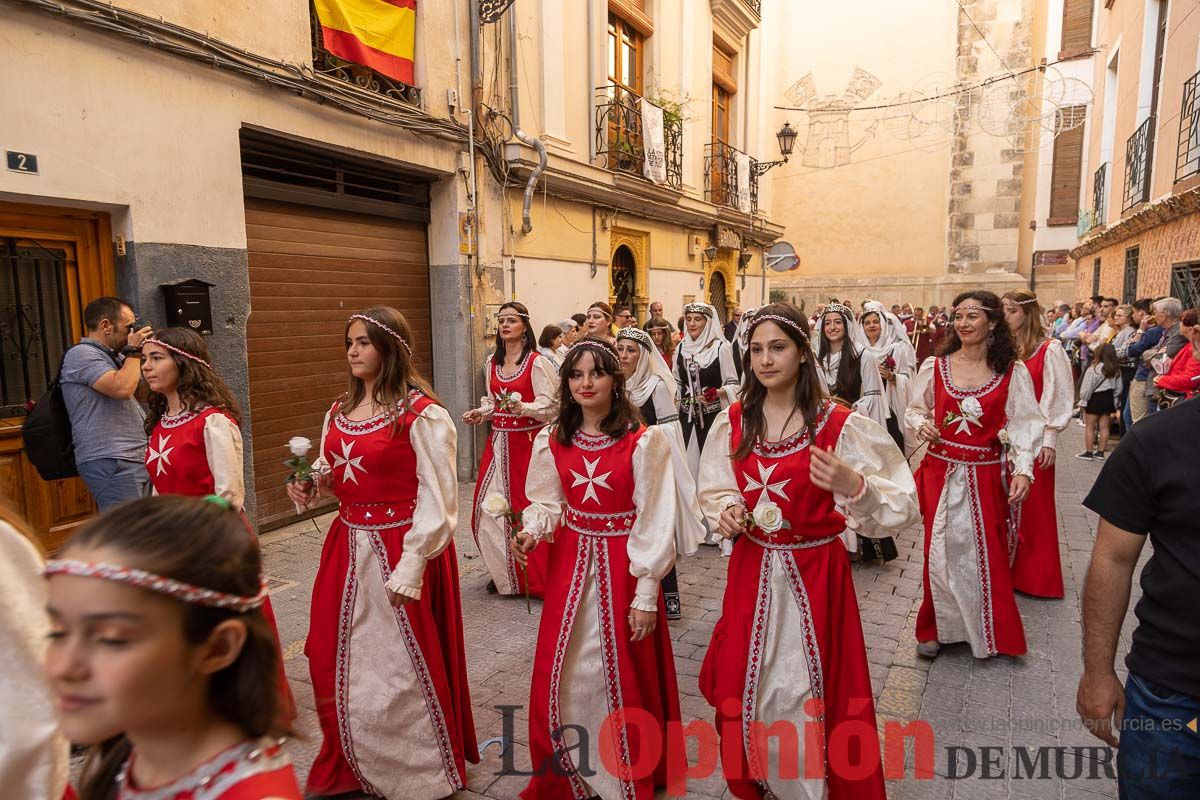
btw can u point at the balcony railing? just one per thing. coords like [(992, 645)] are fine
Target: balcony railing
[(620, 139), (724, 184), (756, 5), (329, 65), (1187, 158), (1137, 164), (1100, 195)]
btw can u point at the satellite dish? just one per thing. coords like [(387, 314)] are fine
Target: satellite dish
[(782, 257)]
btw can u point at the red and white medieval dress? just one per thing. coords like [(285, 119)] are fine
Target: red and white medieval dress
[(790, 631), (1037, 567), (609, 505), (505, 463), (197, 454), (255, 770), (970, 537), (390, 684)]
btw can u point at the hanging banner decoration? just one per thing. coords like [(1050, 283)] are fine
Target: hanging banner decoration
[(743, 186), (654, 167), (380, 34)]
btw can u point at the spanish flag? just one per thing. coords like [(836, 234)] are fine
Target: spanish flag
[(379, 34)]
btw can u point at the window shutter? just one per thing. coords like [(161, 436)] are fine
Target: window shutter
[(723, 70), (1077, 26), (1066, 173)]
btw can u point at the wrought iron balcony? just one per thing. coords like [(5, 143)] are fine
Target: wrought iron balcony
[(329, 65), (756, 5), (724, 183), (620, 139), (1100, 196), (1138, 151), (1187, 157)]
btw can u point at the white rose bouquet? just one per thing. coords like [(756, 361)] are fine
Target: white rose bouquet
[(970, 412), (299, 465), (508, 401), (496, 505), (768, 518)]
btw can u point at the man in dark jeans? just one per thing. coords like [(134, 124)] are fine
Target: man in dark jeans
[(1149, 486), (99, 378)]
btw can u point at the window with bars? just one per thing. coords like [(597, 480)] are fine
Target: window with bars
[(35, 327), (1185, 284), (1129, 292), (1096, 277)]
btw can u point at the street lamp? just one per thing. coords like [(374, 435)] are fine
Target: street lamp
[(710, 253), (787, 140)]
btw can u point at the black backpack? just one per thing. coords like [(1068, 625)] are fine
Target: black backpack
[(46, 434)]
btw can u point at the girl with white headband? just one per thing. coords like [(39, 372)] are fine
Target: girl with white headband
[(385, 638), (160, 660), (195, 446), (785, 473), (651, 388)]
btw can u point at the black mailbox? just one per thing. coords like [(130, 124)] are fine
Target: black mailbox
[(189, 305)]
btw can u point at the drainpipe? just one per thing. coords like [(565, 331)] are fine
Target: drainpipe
[(531, 184), (514, 100)]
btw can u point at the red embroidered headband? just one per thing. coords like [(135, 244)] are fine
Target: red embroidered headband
[(760, 318), (385, 329), (177, 351), (186, 592)]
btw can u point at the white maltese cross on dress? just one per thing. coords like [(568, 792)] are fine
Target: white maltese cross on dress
[(162, 455), (592, 480), (764, 483), (351, 464)]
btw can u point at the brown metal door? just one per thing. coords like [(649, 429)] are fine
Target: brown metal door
[(310, 268)]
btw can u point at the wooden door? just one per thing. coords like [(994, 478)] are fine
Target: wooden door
[(52, 263), (310, 268)]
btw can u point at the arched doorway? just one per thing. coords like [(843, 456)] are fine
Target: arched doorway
[(716, 295), (624, 277)]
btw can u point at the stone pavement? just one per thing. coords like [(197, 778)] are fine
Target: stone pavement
[(1003, 703)]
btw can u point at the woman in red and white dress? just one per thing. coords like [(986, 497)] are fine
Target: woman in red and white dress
[(602, 487), (385, 641), (784, 471), (975, 406), (522, 396), (1037, 567), (195, 446)]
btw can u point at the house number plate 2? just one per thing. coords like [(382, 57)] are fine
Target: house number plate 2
[(21, 162)]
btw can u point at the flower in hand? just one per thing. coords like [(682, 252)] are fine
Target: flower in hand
[(970, 412), (301, 481), (710, 395), (509, 401), (768, 517)]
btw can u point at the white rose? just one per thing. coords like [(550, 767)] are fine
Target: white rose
[(768, 516), (971, 408), (495, 505), (515, 397), (299, 445)]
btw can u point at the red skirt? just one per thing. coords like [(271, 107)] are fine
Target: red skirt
[(830, 636), (431, 627), (519, 447), (1037, 569), (637, 675)]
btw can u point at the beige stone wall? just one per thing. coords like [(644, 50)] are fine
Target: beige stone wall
[(1160, 247)]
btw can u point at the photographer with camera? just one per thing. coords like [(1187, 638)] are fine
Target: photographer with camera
[(99, 378)]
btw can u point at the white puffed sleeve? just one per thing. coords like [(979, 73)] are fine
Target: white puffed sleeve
[(1058, 392), (544, 406), (487, 403), (544, 491), (730, 382), (689, 526), (920, 397), (716, 486), (435, 443), (223, 448), (319, 463), (872, 403), (888, 501), (1026, 426), (651, 544)]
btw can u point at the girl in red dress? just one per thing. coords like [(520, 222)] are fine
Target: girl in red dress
[(602, 487), (976, 407), (385, 641), (785, 473), (195, 446), (159, 660), (1037, 567), (522, 396)]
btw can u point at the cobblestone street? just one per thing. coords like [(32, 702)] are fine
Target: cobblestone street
[(1004, 703)]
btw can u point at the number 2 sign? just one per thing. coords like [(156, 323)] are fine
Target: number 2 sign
[(22, 162)]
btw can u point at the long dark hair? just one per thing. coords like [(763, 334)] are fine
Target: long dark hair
[(659, 323), (848, 386), (809, 392), (199, 386), (622, 418), (397, 372), (1002, 347), (1106, 356), (215, 554), (529, 343)]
